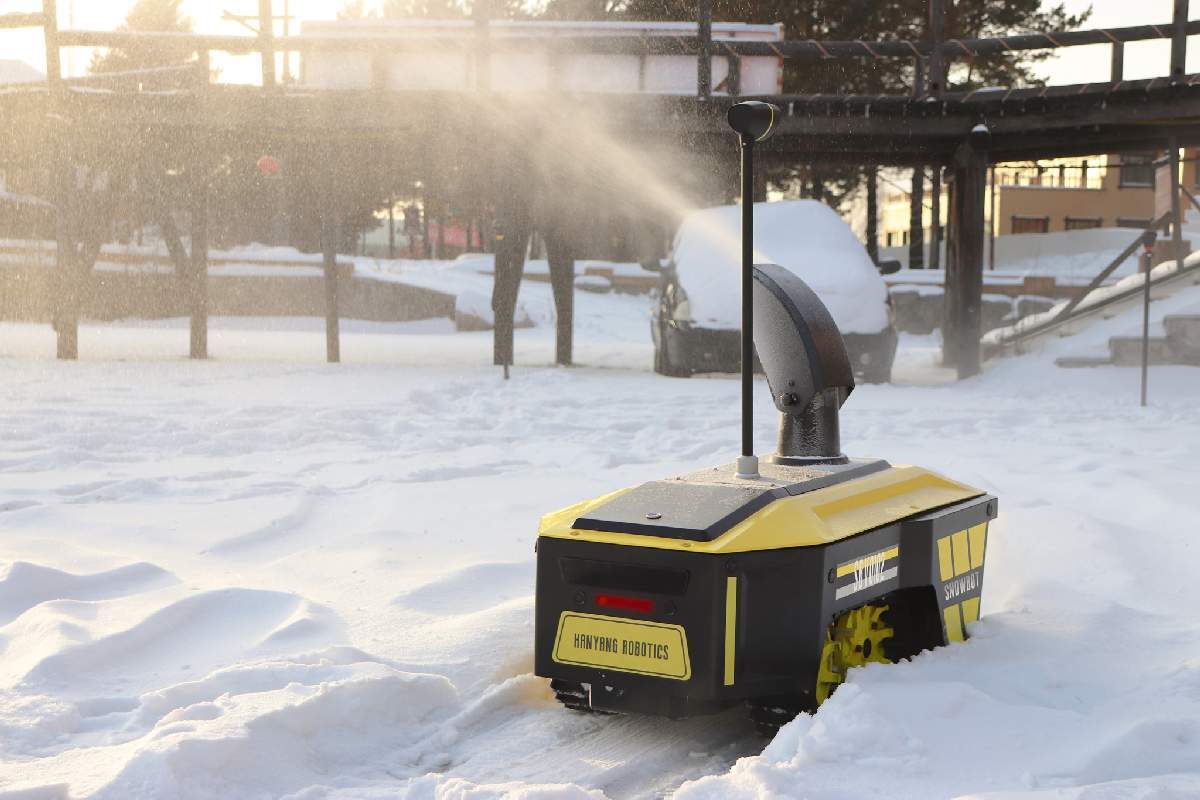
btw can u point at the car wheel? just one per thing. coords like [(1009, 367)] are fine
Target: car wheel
[(662, 359), (877, 374)]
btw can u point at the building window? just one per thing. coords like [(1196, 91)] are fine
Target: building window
[(1131, 222), (1030, 224), (1137, 170), (1082, 223)]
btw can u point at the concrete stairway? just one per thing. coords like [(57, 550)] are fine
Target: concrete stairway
[(1180, 345)]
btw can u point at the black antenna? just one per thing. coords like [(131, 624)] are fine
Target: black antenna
[(754, 122)]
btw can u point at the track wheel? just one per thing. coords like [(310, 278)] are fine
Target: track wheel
[(857, 637), (574, 696), (771, 714)]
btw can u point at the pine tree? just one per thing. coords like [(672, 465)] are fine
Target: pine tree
[(876, 20), (355, 9), (149, 15), (882, 20)]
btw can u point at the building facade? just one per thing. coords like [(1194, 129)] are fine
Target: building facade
[(1114, 191)]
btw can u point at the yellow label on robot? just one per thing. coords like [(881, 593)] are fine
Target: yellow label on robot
[(624, 645)]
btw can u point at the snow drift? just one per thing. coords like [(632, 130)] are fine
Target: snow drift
[(273, 578)]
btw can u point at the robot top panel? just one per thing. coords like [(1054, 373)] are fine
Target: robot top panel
[(702, 505)]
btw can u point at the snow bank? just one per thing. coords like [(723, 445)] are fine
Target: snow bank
[(273, 578), (804, 236), (1070, 256), (313, 723)]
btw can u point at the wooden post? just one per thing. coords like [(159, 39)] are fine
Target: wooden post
[(962, 327), (916, 198), (704, 50), (266, 42), (1118, 62), (916, 220), (329, 242), (873, 213), (937, 36), (1179, 41), (935, 228), (1176, 203)]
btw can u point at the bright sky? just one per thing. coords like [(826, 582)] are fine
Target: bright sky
[(1073, 65)]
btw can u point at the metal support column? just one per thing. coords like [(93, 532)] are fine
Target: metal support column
[(1118, 62), (704, 54), (1147, 261)]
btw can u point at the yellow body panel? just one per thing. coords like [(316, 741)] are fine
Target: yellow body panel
[(954, 626), (970, 608), (945, 559), (962, 557), (978, 536), (819, 517), (730, 627)]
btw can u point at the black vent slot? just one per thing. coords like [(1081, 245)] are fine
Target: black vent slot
[(625, 577)]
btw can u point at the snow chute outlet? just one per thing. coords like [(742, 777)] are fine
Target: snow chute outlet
[(759, 584)]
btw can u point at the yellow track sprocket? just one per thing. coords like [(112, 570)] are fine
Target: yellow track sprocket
[(854, 639)]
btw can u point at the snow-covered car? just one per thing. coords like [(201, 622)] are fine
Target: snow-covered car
[(696, 320)]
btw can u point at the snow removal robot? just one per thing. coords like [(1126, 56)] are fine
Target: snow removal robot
[(759, 584)]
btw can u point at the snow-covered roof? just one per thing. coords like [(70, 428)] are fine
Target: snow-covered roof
[(13, 70)]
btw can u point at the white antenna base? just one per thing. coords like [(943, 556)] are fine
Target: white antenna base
[(747, 467)]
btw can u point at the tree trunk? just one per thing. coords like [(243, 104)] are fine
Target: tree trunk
[(873, 213), (916, 225)]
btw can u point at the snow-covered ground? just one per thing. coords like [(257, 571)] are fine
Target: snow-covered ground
[(263, 576)]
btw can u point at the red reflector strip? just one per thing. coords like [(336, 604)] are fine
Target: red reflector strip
[(624, 603)]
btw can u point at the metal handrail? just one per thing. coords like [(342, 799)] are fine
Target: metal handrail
[(1103, 275), (1060, 318)]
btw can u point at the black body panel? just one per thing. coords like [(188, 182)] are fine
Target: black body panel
[(785, 600), (703, 505)]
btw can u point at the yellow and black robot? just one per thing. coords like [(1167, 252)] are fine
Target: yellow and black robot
[(759, 584)]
